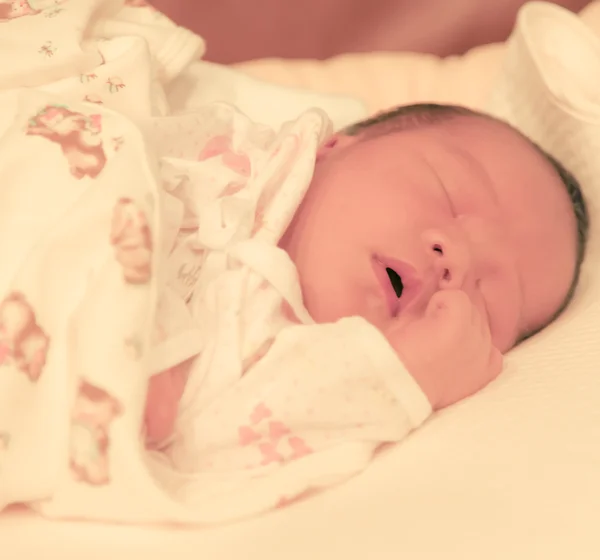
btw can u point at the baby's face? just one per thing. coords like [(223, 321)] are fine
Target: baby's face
[(467, 205)]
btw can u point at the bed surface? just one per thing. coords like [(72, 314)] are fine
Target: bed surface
[(500, 509), (366, 518)]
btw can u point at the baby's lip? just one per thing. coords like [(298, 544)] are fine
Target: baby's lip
[(410, 281)]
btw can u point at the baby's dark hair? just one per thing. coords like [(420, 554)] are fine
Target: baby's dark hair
[(431, 114)]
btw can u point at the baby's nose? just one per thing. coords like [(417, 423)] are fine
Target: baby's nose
[(451, 263)]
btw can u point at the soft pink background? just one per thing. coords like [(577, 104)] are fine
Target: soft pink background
[(238, 30)]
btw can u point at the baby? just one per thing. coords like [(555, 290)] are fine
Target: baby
[(447, 230), (206, 316)]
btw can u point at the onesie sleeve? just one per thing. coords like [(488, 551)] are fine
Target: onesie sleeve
[(309, 414), (367, 350)]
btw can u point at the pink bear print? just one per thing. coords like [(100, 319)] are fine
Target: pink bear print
[(93, 412), (13, 9), (274, 440), (131, 237), (221, 146), (22, 341), (78, 136)]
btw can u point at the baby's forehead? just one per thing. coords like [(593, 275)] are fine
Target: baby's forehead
[(496, 146), (516, 167), (477, 140), (476, 148)]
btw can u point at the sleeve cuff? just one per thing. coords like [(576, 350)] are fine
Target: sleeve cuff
[(387, 364)]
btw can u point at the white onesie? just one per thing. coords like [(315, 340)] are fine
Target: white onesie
[(136, 233)]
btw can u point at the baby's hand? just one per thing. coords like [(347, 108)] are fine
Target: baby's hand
[(449, 350)]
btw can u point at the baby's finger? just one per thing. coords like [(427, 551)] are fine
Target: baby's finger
[(437, 304), (453, 304)]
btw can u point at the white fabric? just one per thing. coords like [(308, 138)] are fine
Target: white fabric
[(145, 239), (204, 82), (511, 473)]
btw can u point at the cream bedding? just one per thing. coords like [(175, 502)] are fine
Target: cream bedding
[(512, 483)]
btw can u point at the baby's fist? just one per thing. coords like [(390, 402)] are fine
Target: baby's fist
[(448, 350)]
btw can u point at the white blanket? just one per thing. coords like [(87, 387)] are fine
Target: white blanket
[(132, 239)]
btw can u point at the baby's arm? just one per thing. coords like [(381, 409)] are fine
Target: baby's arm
[(162, 402), (346, 372), (434, 361)]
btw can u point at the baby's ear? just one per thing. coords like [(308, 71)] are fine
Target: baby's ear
[(336, 142)]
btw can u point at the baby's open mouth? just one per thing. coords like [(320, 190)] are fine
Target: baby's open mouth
[(399, 282), (396, 281)]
